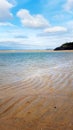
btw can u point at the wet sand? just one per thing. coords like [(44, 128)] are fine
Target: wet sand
[(43, 102)]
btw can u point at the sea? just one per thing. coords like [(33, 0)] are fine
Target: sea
[(19, 66)]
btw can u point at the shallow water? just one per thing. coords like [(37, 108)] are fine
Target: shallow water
[(22, 65)]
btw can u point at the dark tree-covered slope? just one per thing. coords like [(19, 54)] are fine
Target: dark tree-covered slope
[(66, 46)]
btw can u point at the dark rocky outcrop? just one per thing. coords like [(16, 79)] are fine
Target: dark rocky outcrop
[(66, 46)]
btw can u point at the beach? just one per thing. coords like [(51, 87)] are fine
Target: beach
[(36, 91)]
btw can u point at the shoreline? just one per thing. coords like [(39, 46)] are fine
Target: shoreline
[(22, 51)]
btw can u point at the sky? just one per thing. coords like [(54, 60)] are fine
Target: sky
[(35, 24)]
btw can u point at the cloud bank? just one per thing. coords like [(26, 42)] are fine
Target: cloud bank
[(55, 29)]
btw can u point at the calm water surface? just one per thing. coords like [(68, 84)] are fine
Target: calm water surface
[(21, 65)]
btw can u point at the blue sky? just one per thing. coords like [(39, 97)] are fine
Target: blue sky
[(35, 24)]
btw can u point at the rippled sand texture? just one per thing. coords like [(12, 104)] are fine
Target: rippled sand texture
[(41, 102)]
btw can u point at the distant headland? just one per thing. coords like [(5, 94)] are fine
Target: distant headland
[(65, 46)]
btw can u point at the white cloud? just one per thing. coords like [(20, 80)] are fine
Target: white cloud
[(55, 29), (6, 24), (33, 21), (5, 7), (69, 5)]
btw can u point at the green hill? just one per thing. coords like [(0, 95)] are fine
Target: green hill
[(66, 46)]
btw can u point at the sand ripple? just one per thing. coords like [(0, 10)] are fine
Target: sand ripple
[(40, 102)]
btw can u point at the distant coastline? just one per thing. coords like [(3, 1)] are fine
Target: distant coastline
[(22, 51), (13, 51), (66, 47)]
